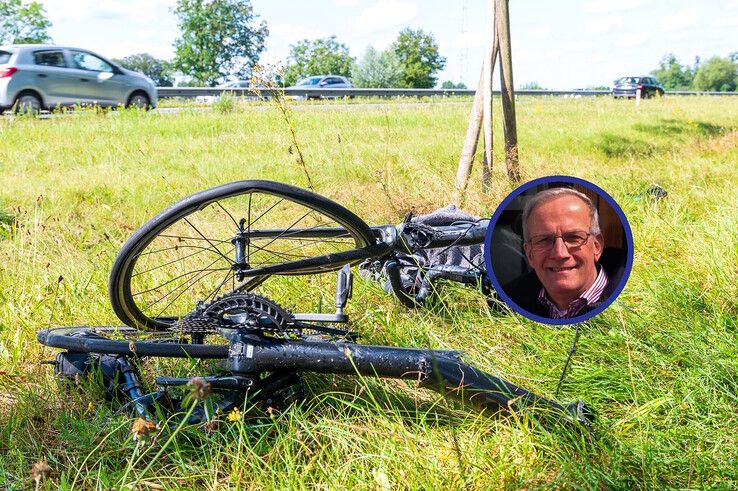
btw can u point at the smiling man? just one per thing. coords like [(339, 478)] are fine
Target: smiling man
[(563, 244)]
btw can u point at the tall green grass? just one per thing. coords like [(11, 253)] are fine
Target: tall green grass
[(660, 366)]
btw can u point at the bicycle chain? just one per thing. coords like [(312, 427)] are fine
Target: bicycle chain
[(211, 316)]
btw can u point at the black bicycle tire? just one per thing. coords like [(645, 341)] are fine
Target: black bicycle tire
[(61, 337), (119, 290)]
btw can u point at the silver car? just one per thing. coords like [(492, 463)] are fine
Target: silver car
[(321, 82), (37, 76)]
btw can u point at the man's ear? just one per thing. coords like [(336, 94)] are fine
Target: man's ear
[(527, 249), (599, 246)]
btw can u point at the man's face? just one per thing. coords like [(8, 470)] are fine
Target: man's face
[(565, 273)]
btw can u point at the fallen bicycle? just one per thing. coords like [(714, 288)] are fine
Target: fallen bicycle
[(184, 286)]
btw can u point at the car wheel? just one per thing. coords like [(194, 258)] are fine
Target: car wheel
[(27, 103), (139, 100)]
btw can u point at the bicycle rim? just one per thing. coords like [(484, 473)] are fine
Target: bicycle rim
[(188, 253)]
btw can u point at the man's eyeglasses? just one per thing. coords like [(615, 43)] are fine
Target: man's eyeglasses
[(545, 242)]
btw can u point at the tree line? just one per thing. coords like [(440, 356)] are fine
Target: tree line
[(223, 40), (716, 74)]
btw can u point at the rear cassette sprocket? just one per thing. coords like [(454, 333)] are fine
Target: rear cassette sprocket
[(246, 311)]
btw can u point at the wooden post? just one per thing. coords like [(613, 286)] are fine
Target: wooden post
[(470, 142), (502, 15), (482, 105), (489, 68), (481, 113)]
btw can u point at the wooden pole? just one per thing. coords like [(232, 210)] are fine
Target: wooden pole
[(502, 15), (489, 68), (470, 142), (475, 120)]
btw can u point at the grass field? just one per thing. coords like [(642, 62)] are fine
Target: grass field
[(660, 366)]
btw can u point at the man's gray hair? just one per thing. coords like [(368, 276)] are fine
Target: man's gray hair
[(549, 194)]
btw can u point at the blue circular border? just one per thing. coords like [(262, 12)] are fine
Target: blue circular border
[(558, 179)]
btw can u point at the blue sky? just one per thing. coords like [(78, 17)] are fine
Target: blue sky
[(562, 44)]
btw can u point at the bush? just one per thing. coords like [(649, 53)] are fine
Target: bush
[(224, 104)]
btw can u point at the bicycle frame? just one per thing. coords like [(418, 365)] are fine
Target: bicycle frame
[(405, 238), (249, 356)]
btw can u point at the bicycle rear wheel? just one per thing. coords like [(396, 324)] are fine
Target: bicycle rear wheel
[(225, 239)]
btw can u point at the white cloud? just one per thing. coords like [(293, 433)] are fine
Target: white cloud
[(114, 28), (633, 40), (603, 25), (607, 6), (726, 22), (680, 20), (385, 14), (540, 32), (383, 41), (471, 39), (84, 11), (292, 33)]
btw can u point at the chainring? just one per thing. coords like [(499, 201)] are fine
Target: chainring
[(243, 311)]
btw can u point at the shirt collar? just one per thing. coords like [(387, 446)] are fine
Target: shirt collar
[(590, 296)]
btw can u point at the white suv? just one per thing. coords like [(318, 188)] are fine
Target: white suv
[(36, 76)]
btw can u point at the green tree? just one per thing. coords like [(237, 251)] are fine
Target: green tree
[(531, 86), (672, 75), (448, 84), (23, 23), (718, 74), (324, 56), (377, 70), (219, 39), (419, 58), (160, 71)]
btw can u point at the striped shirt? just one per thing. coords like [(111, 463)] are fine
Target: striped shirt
[(590, 296)]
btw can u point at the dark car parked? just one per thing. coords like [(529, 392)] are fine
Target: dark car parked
[(627, 87)]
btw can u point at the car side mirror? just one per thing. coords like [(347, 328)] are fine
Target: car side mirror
[(323, 84)]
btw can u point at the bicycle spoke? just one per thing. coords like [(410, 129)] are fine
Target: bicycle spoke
[(179, 259), (214, 293), (289, 228), (196, 271), (228, 212), (185, 237), (251, 223), (248, 214), (186, 287), (208, 241)]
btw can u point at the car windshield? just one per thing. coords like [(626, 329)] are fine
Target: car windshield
[(628, 80), (309, 81), (4, 57)]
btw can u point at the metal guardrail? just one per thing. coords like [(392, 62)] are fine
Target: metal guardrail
[(318, 93)]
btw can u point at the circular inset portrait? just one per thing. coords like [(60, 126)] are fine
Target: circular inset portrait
[(558, 250)]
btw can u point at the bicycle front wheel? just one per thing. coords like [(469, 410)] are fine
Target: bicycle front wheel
[(225, 239)]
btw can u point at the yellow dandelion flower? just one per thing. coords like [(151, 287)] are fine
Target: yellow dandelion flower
[(234, 416)]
